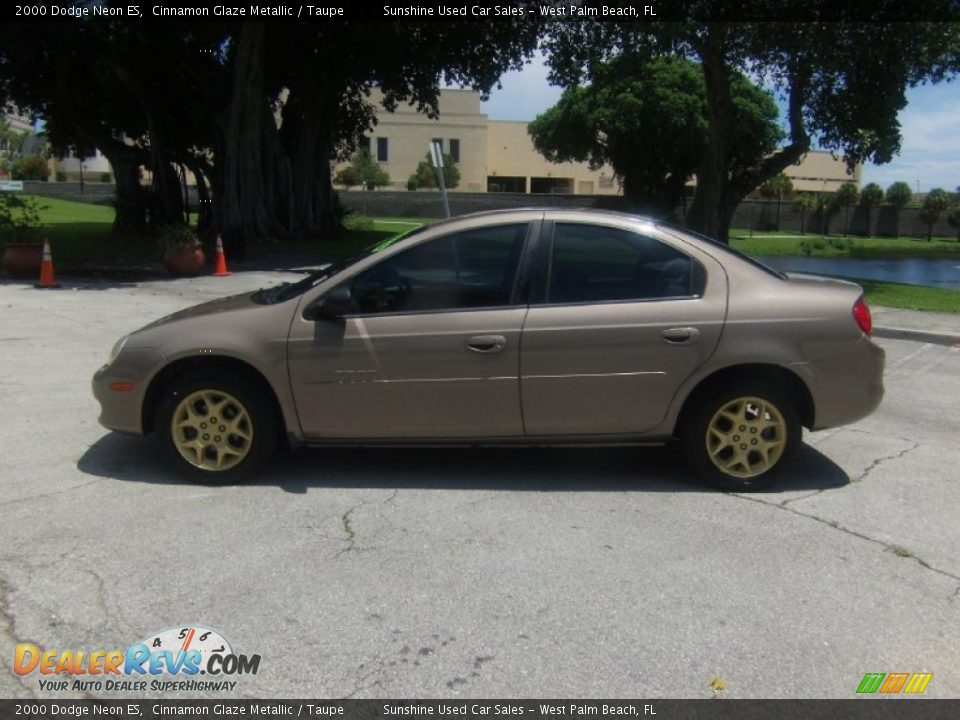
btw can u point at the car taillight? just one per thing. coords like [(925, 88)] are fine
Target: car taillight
[(861, 313)]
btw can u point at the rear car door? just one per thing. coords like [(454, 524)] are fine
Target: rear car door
[(624, 317)]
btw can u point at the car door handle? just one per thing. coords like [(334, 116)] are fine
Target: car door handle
[(680, 335), (486, 343)]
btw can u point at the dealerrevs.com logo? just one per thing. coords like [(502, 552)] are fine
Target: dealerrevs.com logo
[(167, 661)]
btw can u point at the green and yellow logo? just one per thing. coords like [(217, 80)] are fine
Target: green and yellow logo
[(894, 683)]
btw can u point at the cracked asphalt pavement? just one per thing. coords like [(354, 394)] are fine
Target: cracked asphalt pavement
[(474, 572)]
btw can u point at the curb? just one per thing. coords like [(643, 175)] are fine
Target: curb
[(937, 338)]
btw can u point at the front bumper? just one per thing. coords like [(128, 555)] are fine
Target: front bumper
[(122, 410)]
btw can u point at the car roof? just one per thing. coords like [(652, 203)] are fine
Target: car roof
[(549, 211)]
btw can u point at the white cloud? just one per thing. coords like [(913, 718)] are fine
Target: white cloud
[(524, 95)]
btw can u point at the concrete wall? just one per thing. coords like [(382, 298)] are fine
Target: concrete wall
[(761, 215), (93, 192), (880, 222)]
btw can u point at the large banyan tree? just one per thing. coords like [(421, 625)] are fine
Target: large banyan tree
[(255, 111)]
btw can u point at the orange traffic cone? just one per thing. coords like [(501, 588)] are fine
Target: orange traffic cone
[(220, 269), (46, 268)]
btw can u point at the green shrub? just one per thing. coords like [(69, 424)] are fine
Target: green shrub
[(174, 237), (840, 243), (31, 167), (19, 217), (105, 177), (61, 176)]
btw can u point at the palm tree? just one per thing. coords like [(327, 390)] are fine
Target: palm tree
[(898, 195), (776, 187), (847, 195), (870, 197), (934, 203), (803, 203)]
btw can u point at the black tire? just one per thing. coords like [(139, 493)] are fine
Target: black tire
[(758, 456), (237, 394)]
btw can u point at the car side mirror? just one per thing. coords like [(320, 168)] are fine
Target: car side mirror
[(332, 306)]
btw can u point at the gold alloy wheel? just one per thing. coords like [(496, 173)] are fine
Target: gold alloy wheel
[(746, 437), (212, 430)]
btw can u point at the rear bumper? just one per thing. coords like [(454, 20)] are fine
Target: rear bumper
[(849, 388)]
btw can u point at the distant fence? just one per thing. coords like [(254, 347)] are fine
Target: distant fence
[(92, 192), (760, 215)]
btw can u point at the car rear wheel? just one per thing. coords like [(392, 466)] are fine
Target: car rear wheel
[(217, 430), (741, 437)]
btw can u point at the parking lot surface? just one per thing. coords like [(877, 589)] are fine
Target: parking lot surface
[(473, 572)]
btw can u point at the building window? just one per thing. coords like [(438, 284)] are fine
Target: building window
[(382, 155), (438, 141), (455, 149), (364, 144)]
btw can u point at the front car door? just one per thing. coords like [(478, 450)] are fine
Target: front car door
[(430, 349), (624, 316)]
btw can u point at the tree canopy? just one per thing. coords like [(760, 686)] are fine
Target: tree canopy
[(647, 119), (254, 110), (843, 82)]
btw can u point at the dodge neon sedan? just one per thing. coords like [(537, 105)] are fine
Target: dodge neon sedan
[(525, 327)]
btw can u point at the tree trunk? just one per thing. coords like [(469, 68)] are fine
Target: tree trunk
[(713, 172), (717, 193), (247, 199), (204, 209), (164, 198), (131, 206), (305, 133)]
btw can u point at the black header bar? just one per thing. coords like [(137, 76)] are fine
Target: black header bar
[(616, 11)]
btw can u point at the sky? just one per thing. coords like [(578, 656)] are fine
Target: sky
[(930, 125)]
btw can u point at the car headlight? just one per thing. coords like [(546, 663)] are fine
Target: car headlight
[(117, 348)]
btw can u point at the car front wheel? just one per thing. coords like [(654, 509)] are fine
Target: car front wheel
[(741, 437), (217, 430)]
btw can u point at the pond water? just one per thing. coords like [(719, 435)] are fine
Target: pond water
[(931, 272)]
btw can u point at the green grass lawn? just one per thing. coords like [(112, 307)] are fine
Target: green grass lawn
[(80, 235), (909, 297), (769, 243)]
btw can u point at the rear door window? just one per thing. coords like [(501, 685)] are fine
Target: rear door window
[(594, 263)]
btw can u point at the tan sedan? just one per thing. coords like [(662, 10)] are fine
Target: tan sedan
[(528, 327)]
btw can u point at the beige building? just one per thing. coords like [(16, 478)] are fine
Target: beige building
[(499, 156), (820, 171)]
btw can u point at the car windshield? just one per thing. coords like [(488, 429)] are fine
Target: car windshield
[(288, 290), (723, 248)]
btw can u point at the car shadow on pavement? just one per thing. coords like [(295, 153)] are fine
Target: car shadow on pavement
[(544, 469)]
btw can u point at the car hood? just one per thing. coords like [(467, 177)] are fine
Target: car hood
[(221, 305)]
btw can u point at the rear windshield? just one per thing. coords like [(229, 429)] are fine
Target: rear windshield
[(724, 249)]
